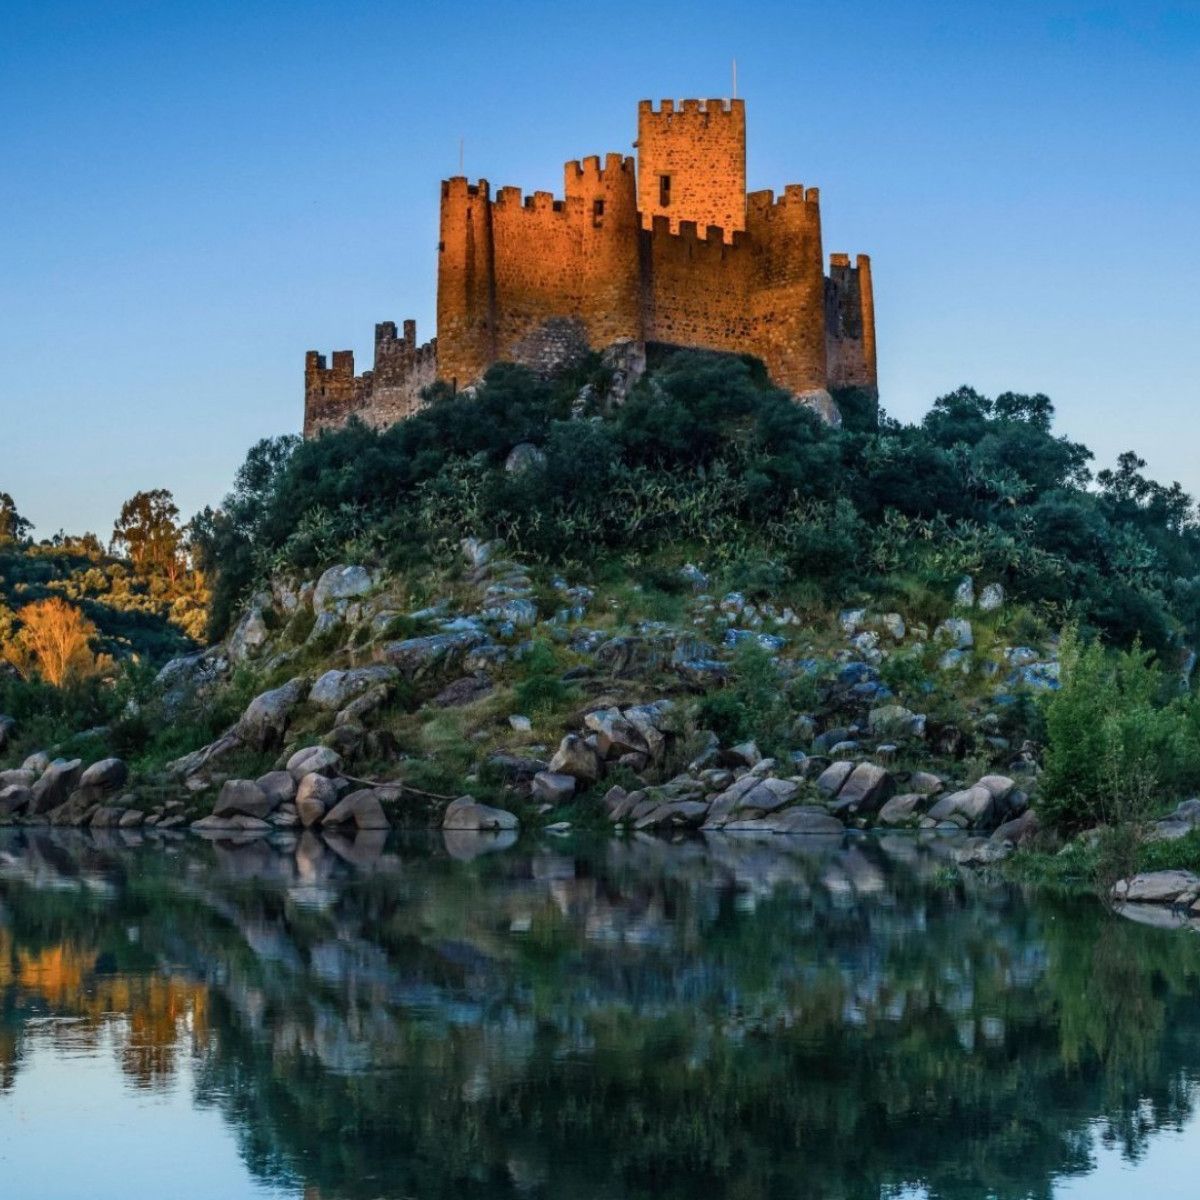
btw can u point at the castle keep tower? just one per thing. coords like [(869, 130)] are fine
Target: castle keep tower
[(692, 164), (672, 251)]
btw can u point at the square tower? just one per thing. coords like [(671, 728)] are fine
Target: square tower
[(692, 163)]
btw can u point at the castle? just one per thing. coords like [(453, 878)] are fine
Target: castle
[(673, 252)]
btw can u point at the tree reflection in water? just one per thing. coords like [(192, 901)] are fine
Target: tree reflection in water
[(751, 1018)]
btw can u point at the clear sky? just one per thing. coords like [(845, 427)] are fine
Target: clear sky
[(193, 194)]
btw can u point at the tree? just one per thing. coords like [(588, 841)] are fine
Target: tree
[(53, 640), (13, 526), (148, 532)]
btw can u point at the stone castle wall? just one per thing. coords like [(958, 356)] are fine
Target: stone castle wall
[(540, 280)]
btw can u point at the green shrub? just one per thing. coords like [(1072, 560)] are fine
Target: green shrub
[(752, 704), (541, 689), (1116, 738)]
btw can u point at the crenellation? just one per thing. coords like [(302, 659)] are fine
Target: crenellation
[(668, 248)]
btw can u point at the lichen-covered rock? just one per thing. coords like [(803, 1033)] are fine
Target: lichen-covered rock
[(830, 781), (249, 637), (465, 814), (339, 585), (335, 689), (265, 720), (614, 734), (420, 656), (361, 809), (279, 786)]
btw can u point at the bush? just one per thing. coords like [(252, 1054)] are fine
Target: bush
[(752, 705), (1115, 738)]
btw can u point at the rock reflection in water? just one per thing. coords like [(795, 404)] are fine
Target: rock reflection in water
[(476, 1016)]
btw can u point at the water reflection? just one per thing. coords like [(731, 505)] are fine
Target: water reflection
[(466, 1017)]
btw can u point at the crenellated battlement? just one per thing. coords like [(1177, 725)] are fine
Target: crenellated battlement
[(669, 247)]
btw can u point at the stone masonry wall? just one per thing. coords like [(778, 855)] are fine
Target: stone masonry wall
[(692, 164), (539, 280)]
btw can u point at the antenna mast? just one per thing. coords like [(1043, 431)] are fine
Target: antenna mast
[(735, 78)]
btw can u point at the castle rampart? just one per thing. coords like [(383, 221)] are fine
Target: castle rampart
[(623, 255)]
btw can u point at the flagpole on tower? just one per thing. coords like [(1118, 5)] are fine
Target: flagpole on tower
[(735, 78)]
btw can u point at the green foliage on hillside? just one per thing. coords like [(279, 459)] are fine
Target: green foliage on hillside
[(705, 454)]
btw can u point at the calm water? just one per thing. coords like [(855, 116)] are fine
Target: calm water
[(732, 1018)]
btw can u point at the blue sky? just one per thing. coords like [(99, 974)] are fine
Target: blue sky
[(194, 194)]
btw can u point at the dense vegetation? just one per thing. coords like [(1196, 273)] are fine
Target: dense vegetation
[(706, 457)]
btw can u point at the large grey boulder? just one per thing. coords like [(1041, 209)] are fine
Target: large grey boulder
[(972, 808), (360, 809), (553, 788), (265, 720), (465, 813), (576, 758), (37, 762), (14, 799), (314, 760), (1158, 887), (19, 777), (335, 689), (865, 791), (674, 814), (279, 786), (339, 585), (55, 786), (957, 631), (895, 721), (249, 637), (615, 735), (831, 780), (416, 657), (1019, 830), (242, 796), (903, 810), (315, 796), (106, 775)]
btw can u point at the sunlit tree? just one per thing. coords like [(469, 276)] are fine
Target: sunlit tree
[(52, 639)]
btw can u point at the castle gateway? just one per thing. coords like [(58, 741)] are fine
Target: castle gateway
[(673, 251)]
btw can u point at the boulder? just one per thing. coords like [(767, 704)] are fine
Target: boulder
[(1158, 887), (339, 585), (197, 762), (903, 809), (576, 758), (831, 780), (265, 720), (107, 816), (674, 814), (865, 790), (895, 721), (746, 754), (249, 636), (991, 597), (55, 786), (1000, 786), (19, 777), (335, 689), (464, 813), (972, 808), (315, 796), (1019, 830), (926, 783), (805, 819), (464, 691), (77, 808), (416, 657), (361, 809), (106, 775), (242, 796), (313, 760), (553, 788), (767, 795), (14, 799), (36, 762), (279, 787), (615, 735), (131, 818), (957, 631), (982, 852), (522, 457)]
